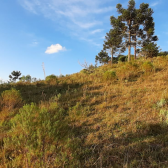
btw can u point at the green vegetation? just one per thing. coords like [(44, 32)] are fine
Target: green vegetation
[(52, 79), (11, 99), (110, 117), (109, 75), (14, 76), (132, 28), (102, 57), (107, 116)]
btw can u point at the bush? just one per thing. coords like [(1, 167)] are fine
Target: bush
[(85, 71), (11, 99), (122, 58), (147, 67), (52, 79), (40, 133), (109, 75), (131, 66)]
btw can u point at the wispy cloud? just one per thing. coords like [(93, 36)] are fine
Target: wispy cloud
[(78, 16), (154, 4), (90, 41), (87, 25), (54, 48), (34, 43), (103, 37), (96, 31), (29, 6)]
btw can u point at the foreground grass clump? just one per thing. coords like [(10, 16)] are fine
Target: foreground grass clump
[(86, 121), (109, 75), (11, 99)]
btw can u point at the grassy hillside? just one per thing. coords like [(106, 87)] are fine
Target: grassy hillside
[(108, 117)]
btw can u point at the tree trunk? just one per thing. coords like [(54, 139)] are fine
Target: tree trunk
[(129, 45), (135, 52), (135, 49), (111, 56)]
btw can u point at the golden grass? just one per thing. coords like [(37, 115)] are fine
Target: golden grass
[(113, 123)]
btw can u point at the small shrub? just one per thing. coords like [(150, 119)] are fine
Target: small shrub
[(109, 75), (161, 103), (132, 65), (61, 76), (91, 68), (52, 79), (147, 67), (40, 83), (11, 99), (85, 71), (164, 116), (122, 58)]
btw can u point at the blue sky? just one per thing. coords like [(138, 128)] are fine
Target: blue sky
[(60, 33)]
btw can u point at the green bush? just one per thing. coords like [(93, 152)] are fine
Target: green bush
[(147, 66), (52, 79), (39, 133), (122, 58), (11, 99), (109, 75)]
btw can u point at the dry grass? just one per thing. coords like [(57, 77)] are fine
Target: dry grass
[(110, 123)]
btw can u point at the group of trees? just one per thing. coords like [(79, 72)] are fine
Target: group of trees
[(132, 28), (16, 75)]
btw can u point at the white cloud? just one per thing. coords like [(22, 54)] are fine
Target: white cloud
[(54, 48), (96, 31)]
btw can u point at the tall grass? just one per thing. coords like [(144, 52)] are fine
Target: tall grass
[(110, 117)]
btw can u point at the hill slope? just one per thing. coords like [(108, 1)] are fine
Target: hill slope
[(107, 117)]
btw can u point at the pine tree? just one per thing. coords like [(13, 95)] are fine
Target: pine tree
[(150, 50), (113, 42), (14, 75), (131, 20), (102, 57), (144, 16)]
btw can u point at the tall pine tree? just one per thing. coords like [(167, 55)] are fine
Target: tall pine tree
[(135, 24)]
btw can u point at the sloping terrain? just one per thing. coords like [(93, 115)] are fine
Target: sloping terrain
[(105, 117)]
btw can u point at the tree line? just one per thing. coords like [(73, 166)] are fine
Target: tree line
[(16, 75), (132, 28)]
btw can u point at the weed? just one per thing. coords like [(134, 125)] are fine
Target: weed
[(161, 103)]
